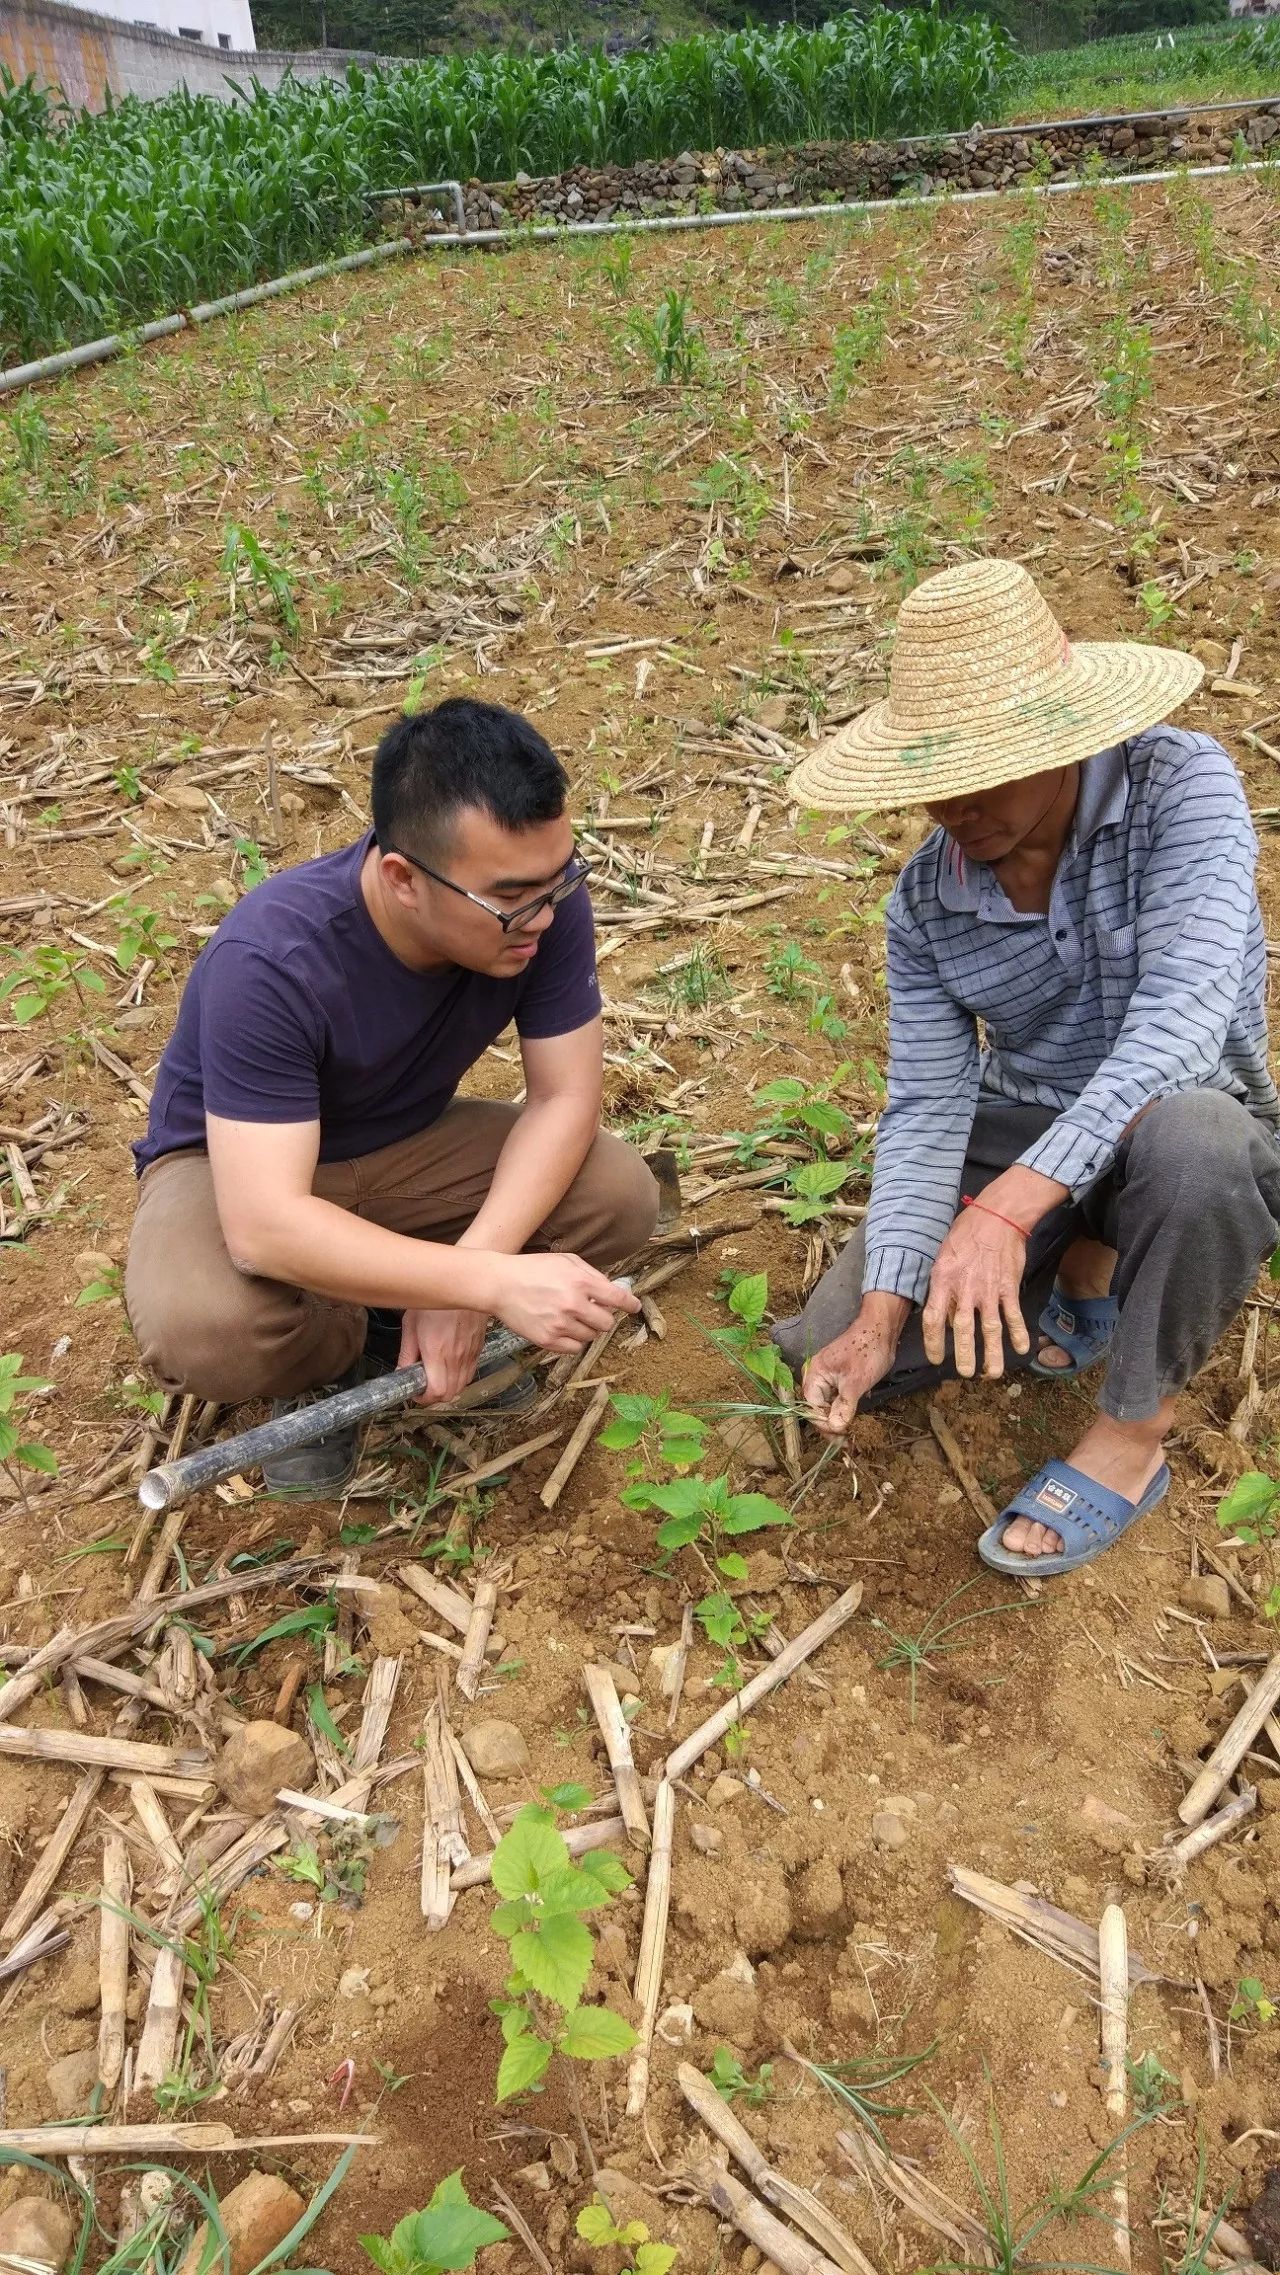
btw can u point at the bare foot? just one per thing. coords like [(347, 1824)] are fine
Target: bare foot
[(1123, 1456), (1085, 1270)]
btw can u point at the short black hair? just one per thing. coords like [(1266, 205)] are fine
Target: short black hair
[(431, 765)]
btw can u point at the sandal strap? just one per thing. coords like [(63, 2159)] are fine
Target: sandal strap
[(1083, 1513)]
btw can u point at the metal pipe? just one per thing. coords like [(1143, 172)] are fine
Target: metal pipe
[(99, 351), (425, 189)]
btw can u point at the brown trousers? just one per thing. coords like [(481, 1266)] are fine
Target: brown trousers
[(204, 1325)]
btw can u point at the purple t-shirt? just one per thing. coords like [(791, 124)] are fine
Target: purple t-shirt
[(297, 1011)]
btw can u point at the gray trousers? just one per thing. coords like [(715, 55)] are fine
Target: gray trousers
[(1192, 1206)]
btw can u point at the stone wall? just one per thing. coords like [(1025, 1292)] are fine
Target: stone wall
[(821, 172), (87, 54)]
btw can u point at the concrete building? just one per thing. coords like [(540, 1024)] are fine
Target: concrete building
[(225, 24)]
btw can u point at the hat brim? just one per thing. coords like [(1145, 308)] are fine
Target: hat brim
[(1109, 691)]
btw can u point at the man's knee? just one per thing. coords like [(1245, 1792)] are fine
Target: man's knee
[(188, 1349), (617, 1199), (1205, 1131)]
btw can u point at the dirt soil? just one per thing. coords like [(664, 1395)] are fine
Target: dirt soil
[(465, 475)]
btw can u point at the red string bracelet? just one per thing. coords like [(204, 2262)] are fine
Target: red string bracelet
[(967, 1201)]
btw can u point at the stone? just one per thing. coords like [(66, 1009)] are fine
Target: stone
[(495, 1749), (292, 802), (77, 1989), (1208, 1597), (707, 1839), (723, 1790), (674, 2025), (93, 1263), (730, 2004), (743, 1439), (818, 1899), (773, 713), (842, 578), (71, 2082), (1108, 1828), (34, 2230), (257, 2215), (889, 1830), (257, 1761), (625, 1679), (762, 1912), (187, 798), (384, 1612)]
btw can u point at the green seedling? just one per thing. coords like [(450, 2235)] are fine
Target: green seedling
[(732, 2082), (139, 933), (246, 562), (699, 980), (787, 970), (1153, 2087), (17, 1452), (1251, 2003), (1249, 1510), (796, 1112), (615, 265), (38, 977), (673, 344), (1010, 2235), (663, 1433), (314, 1622), (596, 2225), (253, 865), (545, 1898), (936, 1639), (746, 1343), (863, 2080), (447, 2235), (106, 1286)]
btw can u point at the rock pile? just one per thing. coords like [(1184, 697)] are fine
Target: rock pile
[(819, 173)]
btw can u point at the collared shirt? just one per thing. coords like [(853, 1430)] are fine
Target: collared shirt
[(1146, 976)]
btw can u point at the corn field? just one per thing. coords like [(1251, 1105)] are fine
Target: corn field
[(109, 220)]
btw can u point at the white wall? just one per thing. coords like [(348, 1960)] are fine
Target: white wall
[(220, 23)]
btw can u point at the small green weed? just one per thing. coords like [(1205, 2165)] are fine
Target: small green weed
[(447, 2235), (732, 2082), (16, 1452), (596, 2225)]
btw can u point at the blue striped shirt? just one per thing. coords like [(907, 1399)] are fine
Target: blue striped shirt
[(1145, 977)]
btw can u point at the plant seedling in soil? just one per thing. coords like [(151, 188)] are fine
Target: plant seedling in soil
[(16, 1452), (596, 2225), (39, 976), (1151, 2084), (545, 1897), (862, 2080), (917, 1651), (732, 2082), (1251, 2003), (673, 344), (1249, 1509), (1011, 2235), (446, 2235)]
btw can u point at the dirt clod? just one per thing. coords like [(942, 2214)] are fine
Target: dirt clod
[(818, 1898), (1208, 1596), (36, 2231), (257, 1761), (707, 1839), (762, 1913), (71, 2081), (257, 2215), (730, 2003), (495, 1749), (723, 1790)]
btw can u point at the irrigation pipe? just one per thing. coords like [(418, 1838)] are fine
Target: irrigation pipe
[(116, 343)]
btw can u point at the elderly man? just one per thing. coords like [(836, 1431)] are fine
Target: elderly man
[(308, 1162), (1103, 1178)]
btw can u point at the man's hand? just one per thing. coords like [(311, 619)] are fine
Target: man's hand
[(977, 1277), (448, 1344), (844, 1371), (557, 1302)]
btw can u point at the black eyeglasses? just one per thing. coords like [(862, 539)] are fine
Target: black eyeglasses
[(516, 919)]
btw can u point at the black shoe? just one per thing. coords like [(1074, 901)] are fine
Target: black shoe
[(382, 1338), (322, 1471)]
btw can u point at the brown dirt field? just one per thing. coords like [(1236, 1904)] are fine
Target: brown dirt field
[(471, 478)]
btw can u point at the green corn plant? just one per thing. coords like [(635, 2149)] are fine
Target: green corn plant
[(245, 560), (673, 344)]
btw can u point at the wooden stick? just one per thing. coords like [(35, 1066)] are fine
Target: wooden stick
[(163, 2019), (674, 1672), (28, 1905), (247, 1853), (1056, 1932), (113, 1958), (448, 1603), (81, 1746), (472, 1784), (1173, 1861), (617, 1738), (806, 1643), (789, 2253), (123, 1626), (964, 1476), (484, 1604), (1113, 1982), (164, 2140), (159, 1832), (379, 1698), (577, 1446), (444, 1842), (784, 2195), (1230, 1750), (578, 1840), (653, 1945)]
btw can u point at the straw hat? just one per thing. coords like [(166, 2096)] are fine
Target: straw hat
[(985, 688)]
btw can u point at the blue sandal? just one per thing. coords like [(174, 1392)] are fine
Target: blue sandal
[(1087, 1516), (1082, 1326)]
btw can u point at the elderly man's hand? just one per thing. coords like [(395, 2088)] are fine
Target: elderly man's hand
[(841, 1374), (976, 1280)]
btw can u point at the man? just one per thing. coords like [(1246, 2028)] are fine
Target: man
[(307, 1158), (1088, 897)]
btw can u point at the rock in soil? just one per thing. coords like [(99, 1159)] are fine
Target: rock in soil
[(730, 2004), (1209, 1597), (1261, 2223), (257, 2215), (71, 2082), (890, 1829), (707, 1839), (762, 1913), (495, 1749), (723, 1790), (1108, 1828), (259, 1759), (37, 2231)]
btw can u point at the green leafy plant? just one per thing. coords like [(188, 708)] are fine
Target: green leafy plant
[(39, 976), (445, 2236), (671, 341), (1249, 1509), (542, 1917), (863, 2081), (1251, 2003), (17, 1452), (732, 2082), (246, 561), (937, 1638), (1153, 2087), (596, 2225), (139, 932), (667, 1435)]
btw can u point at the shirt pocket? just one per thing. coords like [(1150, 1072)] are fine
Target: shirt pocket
[(1117, 974)]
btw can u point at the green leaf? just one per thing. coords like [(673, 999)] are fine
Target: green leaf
[(1251, 1497), (681, 1497), (619, 1437), (595, 2224), (751, 1512), (733, 1567), (451, 2230), (718, 1618), (749, 1296), (531, 1850), (556, 1958), (382, 2254), (602, 1865), (314, 1620), (318, 1709), (522, 2065), (38, 1457), (570, 1891), (655, 2258), (678, 1532), (569, 1797), (514, 2022), (596, 2034)]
